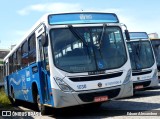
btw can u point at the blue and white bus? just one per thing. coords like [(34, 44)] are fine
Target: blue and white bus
[(70, 59), (144, 69)]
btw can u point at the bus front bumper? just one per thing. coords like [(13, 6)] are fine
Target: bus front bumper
[(145, 83), (63, 99)]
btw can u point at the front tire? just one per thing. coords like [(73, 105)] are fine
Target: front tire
[(12, 98)]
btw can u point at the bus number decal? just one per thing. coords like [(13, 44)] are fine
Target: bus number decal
[(82, 86)]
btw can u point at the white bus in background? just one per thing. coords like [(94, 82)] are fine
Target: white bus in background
[(143, 63), (70, 59), (156, 46)]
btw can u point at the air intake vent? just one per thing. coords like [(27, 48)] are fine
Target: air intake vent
[(141, 73), (99, 77)]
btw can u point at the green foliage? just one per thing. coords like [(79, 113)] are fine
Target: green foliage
[(1, 62), (4, 101)]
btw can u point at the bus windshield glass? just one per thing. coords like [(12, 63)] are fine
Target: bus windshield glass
[(82, 49), (141, 54), (156, 47)]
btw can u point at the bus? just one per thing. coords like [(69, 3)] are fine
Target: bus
[(156, 48), (70, 59), (143, 63)]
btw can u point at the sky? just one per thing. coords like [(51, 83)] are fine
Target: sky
[(17, 17)]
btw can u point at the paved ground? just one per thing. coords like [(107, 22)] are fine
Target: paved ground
[(144, 103)]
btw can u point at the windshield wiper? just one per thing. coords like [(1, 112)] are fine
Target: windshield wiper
[(77, 35), (102, 34), (138, 51)]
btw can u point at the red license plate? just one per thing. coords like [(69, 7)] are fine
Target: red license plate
[(139, 87), (101, 99)]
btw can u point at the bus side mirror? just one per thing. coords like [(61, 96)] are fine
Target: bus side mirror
[(44, 40), (127, 35)]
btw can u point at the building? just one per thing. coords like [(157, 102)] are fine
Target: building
[(3, 53), (153, 35)]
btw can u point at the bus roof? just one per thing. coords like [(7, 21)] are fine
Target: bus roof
[(138, 35)]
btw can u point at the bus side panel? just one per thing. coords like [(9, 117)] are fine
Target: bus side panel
[(21, 82), (34, 77), (14, 84), (29, 75)]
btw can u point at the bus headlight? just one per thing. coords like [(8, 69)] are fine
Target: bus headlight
[(128, 77), (63, 86)]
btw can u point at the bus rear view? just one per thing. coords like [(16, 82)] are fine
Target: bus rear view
[(144, 69)]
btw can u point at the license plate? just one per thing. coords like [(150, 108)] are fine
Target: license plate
[(139, 87), (101, 99)]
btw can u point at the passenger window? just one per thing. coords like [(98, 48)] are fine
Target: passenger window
[(4, 70), (19, 58), (10, 64), (25, 54), (14, 62), (32, 49)]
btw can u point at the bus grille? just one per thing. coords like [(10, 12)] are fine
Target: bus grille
[(89, 97), (145, 84), (141, 73), (99, 77)]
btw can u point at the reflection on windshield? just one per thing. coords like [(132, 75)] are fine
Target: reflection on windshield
[(156, 47), (141, 54), (72, 55)]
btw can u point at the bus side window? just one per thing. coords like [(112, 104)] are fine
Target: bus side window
[(25, 54), (14, 61), (4, 70), (1, 72), (32, 49), (10, 64), (19, 58)]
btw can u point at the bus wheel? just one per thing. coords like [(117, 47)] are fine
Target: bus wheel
[(12, 98), (41, 107)]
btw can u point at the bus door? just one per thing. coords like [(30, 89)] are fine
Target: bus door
[(43, 68)]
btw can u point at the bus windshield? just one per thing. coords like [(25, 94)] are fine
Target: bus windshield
[(84, 49), (141, 54), (156, 47)]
